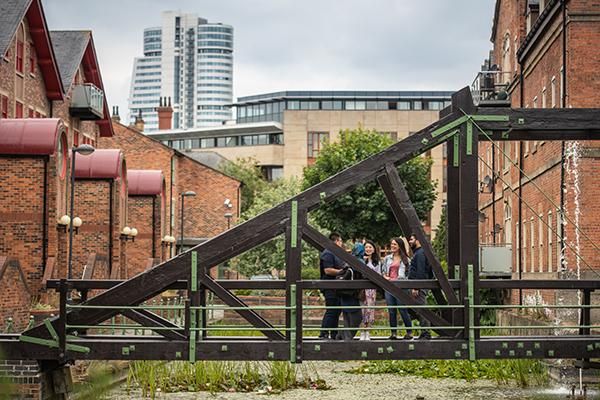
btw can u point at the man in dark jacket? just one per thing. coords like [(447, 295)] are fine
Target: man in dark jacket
[(331, 266), (420, 269)]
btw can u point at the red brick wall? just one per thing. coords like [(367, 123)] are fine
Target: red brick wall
[(27, 88), (144, 212), (541, 160), (93, 205), (15, 300)]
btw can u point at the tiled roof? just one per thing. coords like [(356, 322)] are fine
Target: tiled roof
[(69, 47), (12, 13)]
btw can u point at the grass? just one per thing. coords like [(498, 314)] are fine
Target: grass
[(523, 373), (153, 377)]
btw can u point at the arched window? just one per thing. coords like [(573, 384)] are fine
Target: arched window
[(507, 222)]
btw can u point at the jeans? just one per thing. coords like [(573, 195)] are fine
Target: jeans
[(331, 318), (393, 301)]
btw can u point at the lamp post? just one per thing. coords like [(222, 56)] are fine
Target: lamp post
[(84, 150), (189, 193)]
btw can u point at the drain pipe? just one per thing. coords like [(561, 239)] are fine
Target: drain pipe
[(520, 228), (563, 104)]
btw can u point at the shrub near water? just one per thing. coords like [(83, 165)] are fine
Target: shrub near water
[(220, 376), (521, 372)]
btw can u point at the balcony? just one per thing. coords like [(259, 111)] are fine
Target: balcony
[(491, 88), (87, 102)]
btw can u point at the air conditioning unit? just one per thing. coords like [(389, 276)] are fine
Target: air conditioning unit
[(495, 260)]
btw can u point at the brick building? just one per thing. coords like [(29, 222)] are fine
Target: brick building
[(146, 206), (544, 56), (205, 212), (101, 203)]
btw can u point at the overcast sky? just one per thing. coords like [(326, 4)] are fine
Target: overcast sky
[(303, 45)]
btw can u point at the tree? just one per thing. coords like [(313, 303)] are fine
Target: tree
[(271, 255), (247, 171), (440, 244), (365, 211)]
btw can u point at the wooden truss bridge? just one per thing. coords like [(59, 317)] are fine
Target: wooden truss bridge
[(73, 335)]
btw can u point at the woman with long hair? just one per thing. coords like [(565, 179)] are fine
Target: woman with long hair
[(372, 260), (395, 267)]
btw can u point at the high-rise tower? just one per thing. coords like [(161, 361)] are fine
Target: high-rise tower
[(189, 60)]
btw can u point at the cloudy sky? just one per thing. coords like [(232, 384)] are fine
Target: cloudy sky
[(303, 45)]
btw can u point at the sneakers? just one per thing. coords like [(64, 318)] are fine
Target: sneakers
[(365, 335), (393, 337), (424, 336), (408, 336)]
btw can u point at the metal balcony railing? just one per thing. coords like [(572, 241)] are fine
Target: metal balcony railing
[(87, 102), (491, 86)]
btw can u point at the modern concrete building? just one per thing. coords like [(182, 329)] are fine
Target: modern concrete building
[(190, 61), (284, 131)]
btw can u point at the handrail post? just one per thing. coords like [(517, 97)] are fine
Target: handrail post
[(292, 326), (471, 312)]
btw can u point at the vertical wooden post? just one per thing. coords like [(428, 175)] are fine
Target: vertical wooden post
[(453, 215), (293, 256)]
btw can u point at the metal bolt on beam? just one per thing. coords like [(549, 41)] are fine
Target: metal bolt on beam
[(390, 349), (497, 353), (317, 347), (520, 345), (224, 347), (458, 354), (550, 353), (363, 354), (529, 353), (380, 350), (271, 355), (511, 353)]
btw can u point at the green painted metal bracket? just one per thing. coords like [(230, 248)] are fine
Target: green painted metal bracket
[(456, 155), (449, 126), (294, 233), (50, 328), (469, 138), (53, 344), (471, 295), (293, 343), (194, 282), (457, 272)]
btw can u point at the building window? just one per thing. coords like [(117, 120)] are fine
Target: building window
[(517, 241), (506, 59), (20, 49), (3, 107), (524, 247), (31, 58), (507, 224), (541, 242), (550, 235), (315, 143), (31, 113), (403, 105), (553, 92), (272, 173), (544, 97), (18, 109), (417, 105), (532, 244), (562, 89), (558, 242)]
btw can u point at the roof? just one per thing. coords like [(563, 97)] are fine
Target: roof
[(37, 136), (342, 94), (75, 48), (101, 164), (210, 158), (245, 128), (69, 47), (12, 13), (145, 182)]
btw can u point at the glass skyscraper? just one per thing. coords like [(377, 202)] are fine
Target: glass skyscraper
[(189, 60)]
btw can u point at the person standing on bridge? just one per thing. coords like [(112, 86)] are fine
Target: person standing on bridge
[(330, 266), (394, 267), (420, 269), (371, 259)]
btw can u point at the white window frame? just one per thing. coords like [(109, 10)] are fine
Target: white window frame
[(550, 234), (553, 91)]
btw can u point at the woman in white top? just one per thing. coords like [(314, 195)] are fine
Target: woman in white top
[(371, 259), (395, 267)]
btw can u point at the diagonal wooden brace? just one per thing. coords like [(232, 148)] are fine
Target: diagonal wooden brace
[(407, 218), (149, 319), (249, 315)]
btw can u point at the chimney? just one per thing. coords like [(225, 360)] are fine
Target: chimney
[(139, 122), (115, 114), (165, 114)]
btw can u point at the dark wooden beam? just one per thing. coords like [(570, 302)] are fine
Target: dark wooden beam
[(179, 284), (149, 320), (249, 315), (453, 214), (407, 218), (311, 236), (293, 256)]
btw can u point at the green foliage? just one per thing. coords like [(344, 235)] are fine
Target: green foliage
[(365, 211), (247, 171), (440, 242), (271, 255), (522, 372), (152, 377)]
